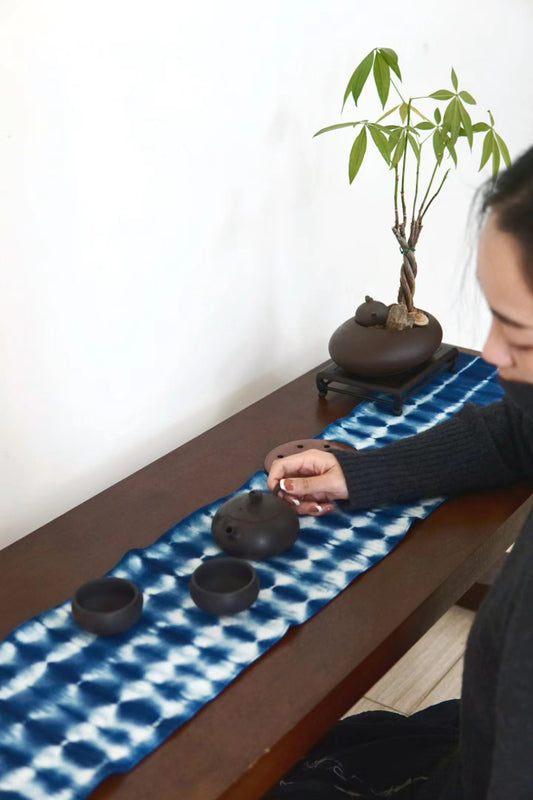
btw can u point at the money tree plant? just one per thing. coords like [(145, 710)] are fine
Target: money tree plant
[(415, 131)]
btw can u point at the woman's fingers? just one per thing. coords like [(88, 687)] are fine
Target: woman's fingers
[(308, 506), (310, 462), (313, 475)]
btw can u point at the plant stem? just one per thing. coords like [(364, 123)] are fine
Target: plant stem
[(404, 161), (417, 178), (421, 215), (408, 270), (396, 179), (397, 91), (427, 190)]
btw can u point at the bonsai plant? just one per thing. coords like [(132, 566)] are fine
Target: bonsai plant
[(418, 138)]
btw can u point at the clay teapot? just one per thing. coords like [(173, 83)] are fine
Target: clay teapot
[(255, 525)]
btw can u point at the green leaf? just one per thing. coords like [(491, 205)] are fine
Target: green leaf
[(357, 154), (442, 94), (422, 116), (467, 97), (390, 111), (358, 79), (335, 127), (394, 136), (415, 146), (466, 122), (438, 145), (487, 149), (437, 116), (452, 119), (381, 141), (399, 150), (454, 79), (451, 149), (392, 60), (423, 126), (503, 150), (382, 78), (491, 117), (480, 126), (495, 160), (404, 108)]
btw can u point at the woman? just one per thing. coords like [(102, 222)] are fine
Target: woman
[(480, 748)]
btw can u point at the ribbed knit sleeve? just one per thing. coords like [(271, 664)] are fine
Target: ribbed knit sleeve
[(479, 447)]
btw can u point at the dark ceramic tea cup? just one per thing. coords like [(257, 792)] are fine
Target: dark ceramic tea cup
[(107, 606), (224, 585)]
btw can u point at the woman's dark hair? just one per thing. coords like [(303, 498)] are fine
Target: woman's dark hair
[(510, 197)]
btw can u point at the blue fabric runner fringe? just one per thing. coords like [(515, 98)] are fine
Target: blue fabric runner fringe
[(75, 708)]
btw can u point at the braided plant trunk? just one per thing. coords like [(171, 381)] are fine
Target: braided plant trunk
[(409, 266)]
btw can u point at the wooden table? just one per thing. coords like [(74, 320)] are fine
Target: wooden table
[(242, 741)]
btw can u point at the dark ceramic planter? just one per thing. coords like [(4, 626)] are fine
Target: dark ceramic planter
[(255, 525), (373, 352), (224, 585), (107, 606)]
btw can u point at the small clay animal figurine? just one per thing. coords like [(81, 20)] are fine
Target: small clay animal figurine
[(255, 525), (371, 312)]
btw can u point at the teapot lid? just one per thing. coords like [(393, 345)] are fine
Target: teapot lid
[(255, 506)]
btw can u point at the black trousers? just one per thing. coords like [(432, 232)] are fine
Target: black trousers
[(377, 754)]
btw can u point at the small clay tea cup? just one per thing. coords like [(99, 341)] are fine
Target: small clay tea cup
[(107, 606), (224, 585)]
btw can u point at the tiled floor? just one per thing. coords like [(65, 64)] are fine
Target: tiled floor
[(428, 673)]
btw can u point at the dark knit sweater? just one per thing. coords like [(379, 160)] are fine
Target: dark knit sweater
[(478, 447)]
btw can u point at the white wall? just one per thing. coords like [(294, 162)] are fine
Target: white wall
[(174, 243)]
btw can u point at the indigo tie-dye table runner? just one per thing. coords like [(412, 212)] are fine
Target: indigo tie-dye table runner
[(75, 708)]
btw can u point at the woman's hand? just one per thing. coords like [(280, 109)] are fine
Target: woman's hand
[(309, 480)]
